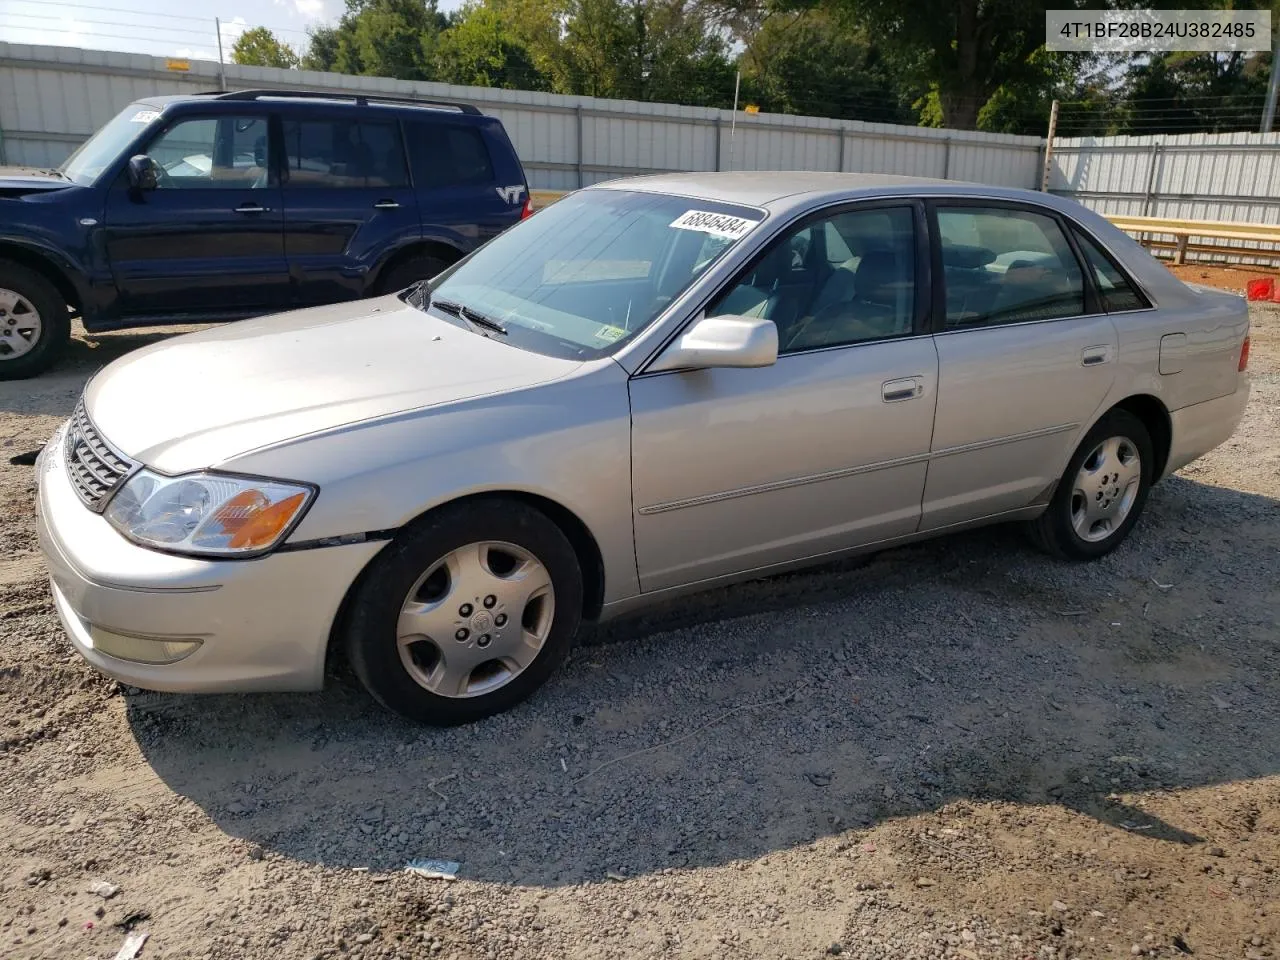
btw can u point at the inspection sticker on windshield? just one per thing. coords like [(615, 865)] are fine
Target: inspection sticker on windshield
[(719, 224), (610, 334), (144, 116)]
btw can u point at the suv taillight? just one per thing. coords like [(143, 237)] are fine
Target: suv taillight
[(1244, 356), (527, 212)]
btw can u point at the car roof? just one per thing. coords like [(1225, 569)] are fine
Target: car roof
[(780, 190)]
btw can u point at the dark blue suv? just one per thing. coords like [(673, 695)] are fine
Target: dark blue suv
[(220, 206)]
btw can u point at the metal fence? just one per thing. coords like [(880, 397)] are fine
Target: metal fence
[(51, 98), (1199, 176)]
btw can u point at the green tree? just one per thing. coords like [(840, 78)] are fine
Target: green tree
[(322, 49), (260, 48), (483, 47), (812, 62), (382, 38)]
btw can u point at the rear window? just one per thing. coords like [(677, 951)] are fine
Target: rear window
[(448, 155), (343, 153)]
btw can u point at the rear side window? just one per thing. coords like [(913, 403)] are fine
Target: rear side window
[(1003, 265), (445, 155), (1115, 289), (343, 153)]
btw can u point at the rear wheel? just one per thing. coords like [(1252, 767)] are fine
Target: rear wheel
[(410, 271), (1102, 492), (466, 613), (35, 324)]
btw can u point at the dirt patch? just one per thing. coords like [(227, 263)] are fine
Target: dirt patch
[(957, 750), (1235, 279)]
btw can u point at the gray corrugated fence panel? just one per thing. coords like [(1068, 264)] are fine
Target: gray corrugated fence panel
[(51, 98)]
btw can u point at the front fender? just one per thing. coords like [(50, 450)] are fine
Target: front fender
[(568, 441)]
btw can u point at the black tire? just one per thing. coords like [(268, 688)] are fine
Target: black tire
[(55, 322), (406, 272), (1053, 530), (370, 629)]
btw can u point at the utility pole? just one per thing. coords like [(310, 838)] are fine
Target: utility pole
[(1269, 112), (733, 119), (1048, 147), (222, 72)]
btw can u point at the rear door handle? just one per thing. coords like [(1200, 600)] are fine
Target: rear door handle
[(907, 388), (386, 205), (1092, 356), (251, 207)]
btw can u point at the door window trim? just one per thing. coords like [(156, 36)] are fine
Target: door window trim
[(923, 305)]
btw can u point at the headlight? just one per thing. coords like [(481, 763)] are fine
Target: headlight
[(208, 513)]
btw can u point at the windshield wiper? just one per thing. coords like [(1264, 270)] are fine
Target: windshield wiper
[(474, 317)]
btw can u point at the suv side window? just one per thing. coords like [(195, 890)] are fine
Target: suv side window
[(1114, 288), (448, 155), (344, 153), (1005, 265), (226, 152), (844, 279)]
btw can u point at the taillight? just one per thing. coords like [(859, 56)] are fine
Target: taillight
[(527, 212), (1244, 356)]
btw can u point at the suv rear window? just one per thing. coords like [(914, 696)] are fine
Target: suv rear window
[(343, 153), (446, 155)]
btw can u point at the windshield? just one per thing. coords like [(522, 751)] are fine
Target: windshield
[(581, 277), (101, 150)]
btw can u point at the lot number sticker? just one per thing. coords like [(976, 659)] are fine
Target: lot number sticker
[(718, 224), (144, 116)]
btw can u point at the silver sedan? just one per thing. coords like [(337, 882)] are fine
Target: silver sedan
[(653, 386)]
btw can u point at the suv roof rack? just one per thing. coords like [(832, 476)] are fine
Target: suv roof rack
[(359, 98)]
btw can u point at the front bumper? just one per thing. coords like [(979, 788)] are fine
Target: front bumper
[(262, 624)]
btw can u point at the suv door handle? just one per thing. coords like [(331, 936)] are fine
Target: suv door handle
[(386, 205), (251, 207), (1092, 356), (895, 391)]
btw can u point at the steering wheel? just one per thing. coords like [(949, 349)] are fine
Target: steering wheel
[(163, 179)]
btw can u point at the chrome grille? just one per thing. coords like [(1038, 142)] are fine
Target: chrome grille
[(95, 469)]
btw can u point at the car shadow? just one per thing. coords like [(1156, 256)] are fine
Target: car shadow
[(765, 715)]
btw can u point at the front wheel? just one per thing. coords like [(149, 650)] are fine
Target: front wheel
[(1102, 492), (466, 613), (35, 323)]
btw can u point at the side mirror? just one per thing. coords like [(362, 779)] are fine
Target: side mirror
[(142, 172), (726, 341)]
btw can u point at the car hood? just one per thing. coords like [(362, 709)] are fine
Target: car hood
[(16, 181), (200, 399)]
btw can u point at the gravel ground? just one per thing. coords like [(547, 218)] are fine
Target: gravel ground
[(960, 749)]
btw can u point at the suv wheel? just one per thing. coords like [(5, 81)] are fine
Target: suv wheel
[(409, 272), (1102, 492), (466, 613), (34, 322)]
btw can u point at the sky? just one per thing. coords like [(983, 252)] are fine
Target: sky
[(163, 28)]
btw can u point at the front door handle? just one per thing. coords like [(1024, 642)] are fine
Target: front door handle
[(1092, 356), (907, 388), (251, 207), (386, 205)]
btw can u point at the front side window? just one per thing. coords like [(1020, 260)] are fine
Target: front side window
[(448, 155), (343, 153), (845, 279), (212, 153), (1002, 265), (591, 271), (1114, 288)]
